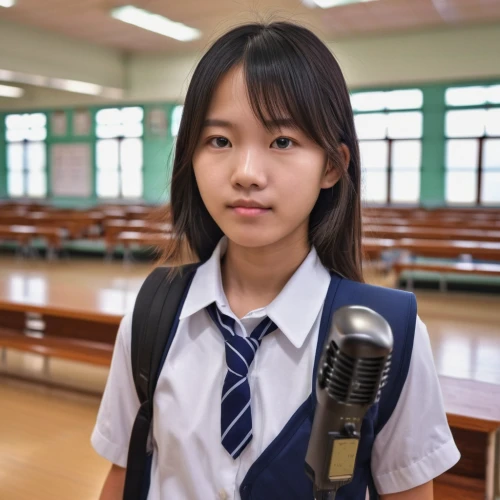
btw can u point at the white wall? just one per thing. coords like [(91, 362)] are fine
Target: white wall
[(28, 50), (399, 59), (431, 56), (159, 77)]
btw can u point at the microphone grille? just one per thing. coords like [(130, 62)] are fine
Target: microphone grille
[(353, 381)]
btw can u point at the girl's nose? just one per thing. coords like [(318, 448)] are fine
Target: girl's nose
[(249, 169)]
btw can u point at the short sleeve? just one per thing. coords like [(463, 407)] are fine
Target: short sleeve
[(416, 444), (119, 404)]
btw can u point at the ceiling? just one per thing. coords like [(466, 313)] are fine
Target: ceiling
[(89, 20)]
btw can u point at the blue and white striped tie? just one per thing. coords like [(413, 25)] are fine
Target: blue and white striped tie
[(236, 411)]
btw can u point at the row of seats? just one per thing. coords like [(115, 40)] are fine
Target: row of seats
[(398, 234), (443, 241), (27, 223)]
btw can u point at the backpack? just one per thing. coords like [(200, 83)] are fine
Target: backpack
[(158, 303)]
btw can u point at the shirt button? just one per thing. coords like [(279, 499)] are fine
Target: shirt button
[(222, 495)]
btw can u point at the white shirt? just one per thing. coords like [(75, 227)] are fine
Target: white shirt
[(189, 461)]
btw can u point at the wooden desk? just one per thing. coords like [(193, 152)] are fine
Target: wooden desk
[(116, 231), (473, 411), (148, 240), (97, 316), (25, 234), (434, 248), (430, 233), (444, 269), (456, 223), (442, 212), (53, 331), (76, 224)]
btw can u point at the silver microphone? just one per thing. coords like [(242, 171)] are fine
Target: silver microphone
[(352, 370)]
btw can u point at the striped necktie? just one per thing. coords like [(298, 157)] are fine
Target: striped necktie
[(236, 412)]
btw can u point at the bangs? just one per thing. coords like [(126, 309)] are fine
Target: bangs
[(281, 88)]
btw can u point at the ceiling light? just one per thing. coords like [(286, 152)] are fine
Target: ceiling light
[(61, 84), (85, 88), (6, 75), (327, 4), (7, 3), (154, 22), (76, 86), (8, 91)]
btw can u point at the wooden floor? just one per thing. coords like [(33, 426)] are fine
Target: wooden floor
[(45, 451)]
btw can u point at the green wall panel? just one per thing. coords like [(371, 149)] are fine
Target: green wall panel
[(433, 150)]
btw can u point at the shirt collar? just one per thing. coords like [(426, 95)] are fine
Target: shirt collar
[(294, 310), (206, 286)]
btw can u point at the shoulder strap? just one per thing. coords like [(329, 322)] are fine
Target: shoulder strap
[(148, 341), (157, 304), (399, 308)]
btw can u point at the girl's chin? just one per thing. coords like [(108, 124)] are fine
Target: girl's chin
[(251, 238), (254, 237)]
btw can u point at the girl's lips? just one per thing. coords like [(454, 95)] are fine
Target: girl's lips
[(250, 211)]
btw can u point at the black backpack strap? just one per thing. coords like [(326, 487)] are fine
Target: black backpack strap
[(157, 304)]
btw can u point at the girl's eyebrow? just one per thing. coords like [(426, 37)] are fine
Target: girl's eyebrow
[(215, 122), (271, 124)]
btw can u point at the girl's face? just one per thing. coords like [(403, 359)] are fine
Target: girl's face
[(258, 185)]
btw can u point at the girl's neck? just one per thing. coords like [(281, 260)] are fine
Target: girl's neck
[(253, 277)]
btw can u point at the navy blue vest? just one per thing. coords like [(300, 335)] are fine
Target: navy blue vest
[(279, 472)]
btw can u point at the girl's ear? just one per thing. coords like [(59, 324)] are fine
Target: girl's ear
[(333, 174)]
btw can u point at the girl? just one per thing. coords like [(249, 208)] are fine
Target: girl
[(266, 191)]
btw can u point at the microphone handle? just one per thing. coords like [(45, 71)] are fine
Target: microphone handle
[(325, 495)]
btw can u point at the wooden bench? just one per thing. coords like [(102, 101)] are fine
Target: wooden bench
[(443, 269), (53, 332), (456, 223), (78, 223), (25, 234), (439, 212), (473, 411), (146, 240), (75, 224), (139, 212), (430, 233), (113, 230), (97, 326), (96, 353), (481, 250)]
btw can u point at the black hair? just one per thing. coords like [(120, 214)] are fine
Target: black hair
[(289, 72)]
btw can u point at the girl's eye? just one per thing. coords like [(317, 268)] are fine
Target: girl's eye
[(283, 143), (220, 142)]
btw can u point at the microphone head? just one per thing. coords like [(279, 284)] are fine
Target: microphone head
[(356, 361), (360, 332)]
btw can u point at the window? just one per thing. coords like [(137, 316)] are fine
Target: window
[(176, 120), (389, 128), (473, 145), (26, 155), (119, 155)]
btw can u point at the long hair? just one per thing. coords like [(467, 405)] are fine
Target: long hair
[(288, 72)]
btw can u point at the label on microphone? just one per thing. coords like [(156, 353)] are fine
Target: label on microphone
[(343, 459)]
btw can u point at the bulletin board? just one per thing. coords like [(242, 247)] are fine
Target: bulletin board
[(71, 170)]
